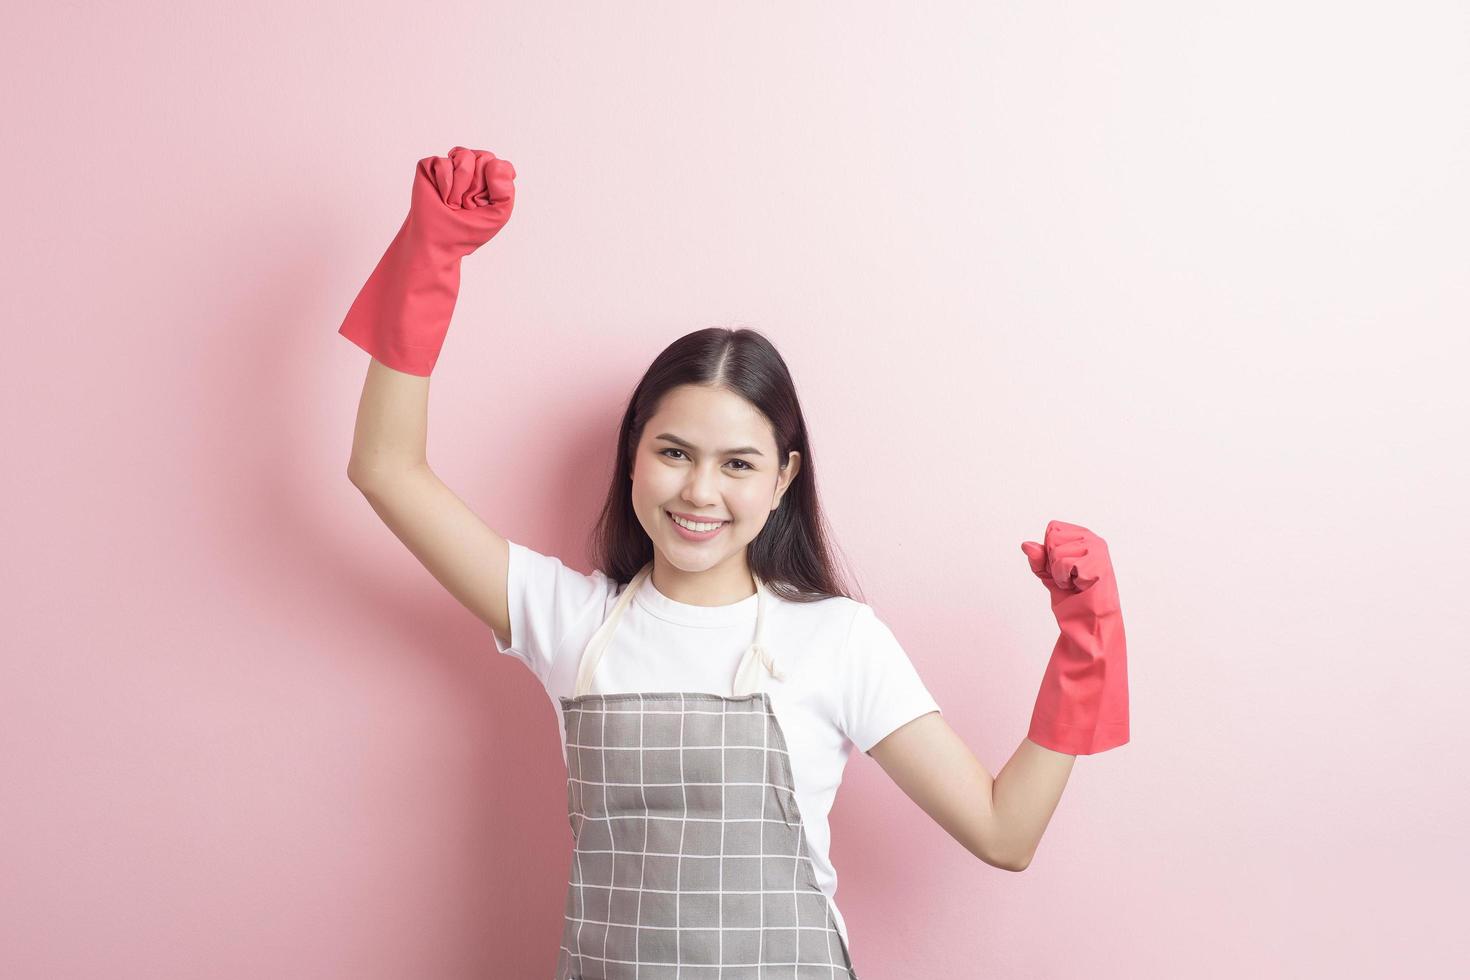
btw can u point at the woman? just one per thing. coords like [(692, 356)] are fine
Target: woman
[(712, 675)]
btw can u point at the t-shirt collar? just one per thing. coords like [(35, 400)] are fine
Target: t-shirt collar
[(660, 605)]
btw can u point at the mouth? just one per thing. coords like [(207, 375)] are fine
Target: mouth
[(690, 535)]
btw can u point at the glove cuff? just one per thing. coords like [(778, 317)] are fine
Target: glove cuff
[(401, 315)]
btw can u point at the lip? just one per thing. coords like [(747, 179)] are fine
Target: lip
[(689, 535)]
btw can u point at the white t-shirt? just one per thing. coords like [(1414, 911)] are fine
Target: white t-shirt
[(847, 681)]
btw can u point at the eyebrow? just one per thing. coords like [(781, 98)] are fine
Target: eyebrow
[(741, 451)]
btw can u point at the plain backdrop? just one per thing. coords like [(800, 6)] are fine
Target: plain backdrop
[(1194, 276)]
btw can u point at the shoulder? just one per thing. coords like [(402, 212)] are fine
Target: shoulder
[(829, 614), (867, 633), (550, 572), (833, 631), (550, 603)]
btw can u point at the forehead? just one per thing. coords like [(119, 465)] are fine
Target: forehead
[(706, 416)]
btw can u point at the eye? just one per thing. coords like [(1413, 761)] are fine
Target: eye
[(743, 464)]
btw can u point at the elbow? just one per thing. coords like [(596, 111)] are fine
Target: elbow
[(1009, 862), (999, 850), (365, 474), (360, 475), (996, 849)]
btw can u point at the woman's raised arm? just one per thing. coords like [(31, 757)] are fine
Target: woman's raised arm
[(400, 317)]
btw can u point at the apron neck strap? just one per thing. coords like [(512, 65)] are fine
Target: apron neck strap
[(748, 676)]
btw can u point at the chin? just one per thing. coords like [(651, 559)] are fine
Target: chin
[(694, 563)]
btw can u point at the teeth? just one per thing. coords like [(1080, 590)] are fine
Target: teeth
[(692, 525)]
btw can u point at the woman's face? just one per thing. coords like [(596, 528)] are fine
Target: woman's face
[(709, 454)]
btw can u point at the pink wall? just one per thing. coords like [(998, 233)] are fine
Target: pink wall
[(1194, 280)]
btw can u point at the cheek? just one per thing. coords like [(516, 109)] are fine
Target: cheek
[(650, 480), (752, 500), (652, 489)]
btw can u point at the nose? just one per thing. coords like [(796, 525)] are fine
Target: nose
[(700, 489)]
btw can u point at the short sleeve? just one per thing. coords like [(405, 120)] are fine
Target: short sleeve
[(546, 599), (881, 689)]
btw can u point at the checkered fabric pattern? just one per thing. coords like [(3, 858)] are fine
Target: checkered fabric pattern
[(690, 860)]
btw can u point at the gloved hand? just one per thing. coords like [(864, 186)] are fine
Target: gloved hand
[(1082, 707), (458, 204)]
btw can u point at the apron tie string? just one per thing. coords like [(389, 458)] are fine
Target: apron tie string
[(747, 677)]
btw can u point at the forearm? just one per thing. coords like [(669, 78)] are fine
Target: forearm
[(1025, 795), (392, 424)]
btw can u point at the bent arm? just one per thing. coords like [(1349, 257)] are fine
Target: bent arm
[(1026, 795), (998, 820)]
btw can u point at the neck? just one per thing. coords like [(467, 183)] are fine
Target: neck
[(724, 584)]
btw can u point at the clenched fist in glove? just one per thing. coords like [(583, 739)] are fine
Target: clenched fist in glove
[(1082, 707), (402, 313)]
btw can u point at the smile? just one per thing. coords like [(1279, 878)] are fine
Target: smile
[(694, 530)]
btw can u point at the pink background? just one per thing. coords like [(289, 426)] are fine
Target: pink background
[(1193, 279)]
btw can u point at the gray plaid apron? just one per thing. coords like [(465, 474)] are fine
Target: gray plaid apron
[(689, 858)]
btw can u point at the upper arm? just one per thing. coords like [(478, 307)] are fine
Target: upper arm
[(936, 769), (460, 550)]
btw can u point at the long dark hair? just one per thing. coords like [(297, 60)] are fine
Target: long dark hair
[(792, 554)]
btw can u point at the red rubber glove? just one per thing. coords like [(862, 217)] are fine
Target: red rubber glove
[(458, 204), (1082, 707)]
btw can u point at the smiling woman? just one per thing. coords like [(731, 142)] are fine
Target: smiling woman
[(712, 674)]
